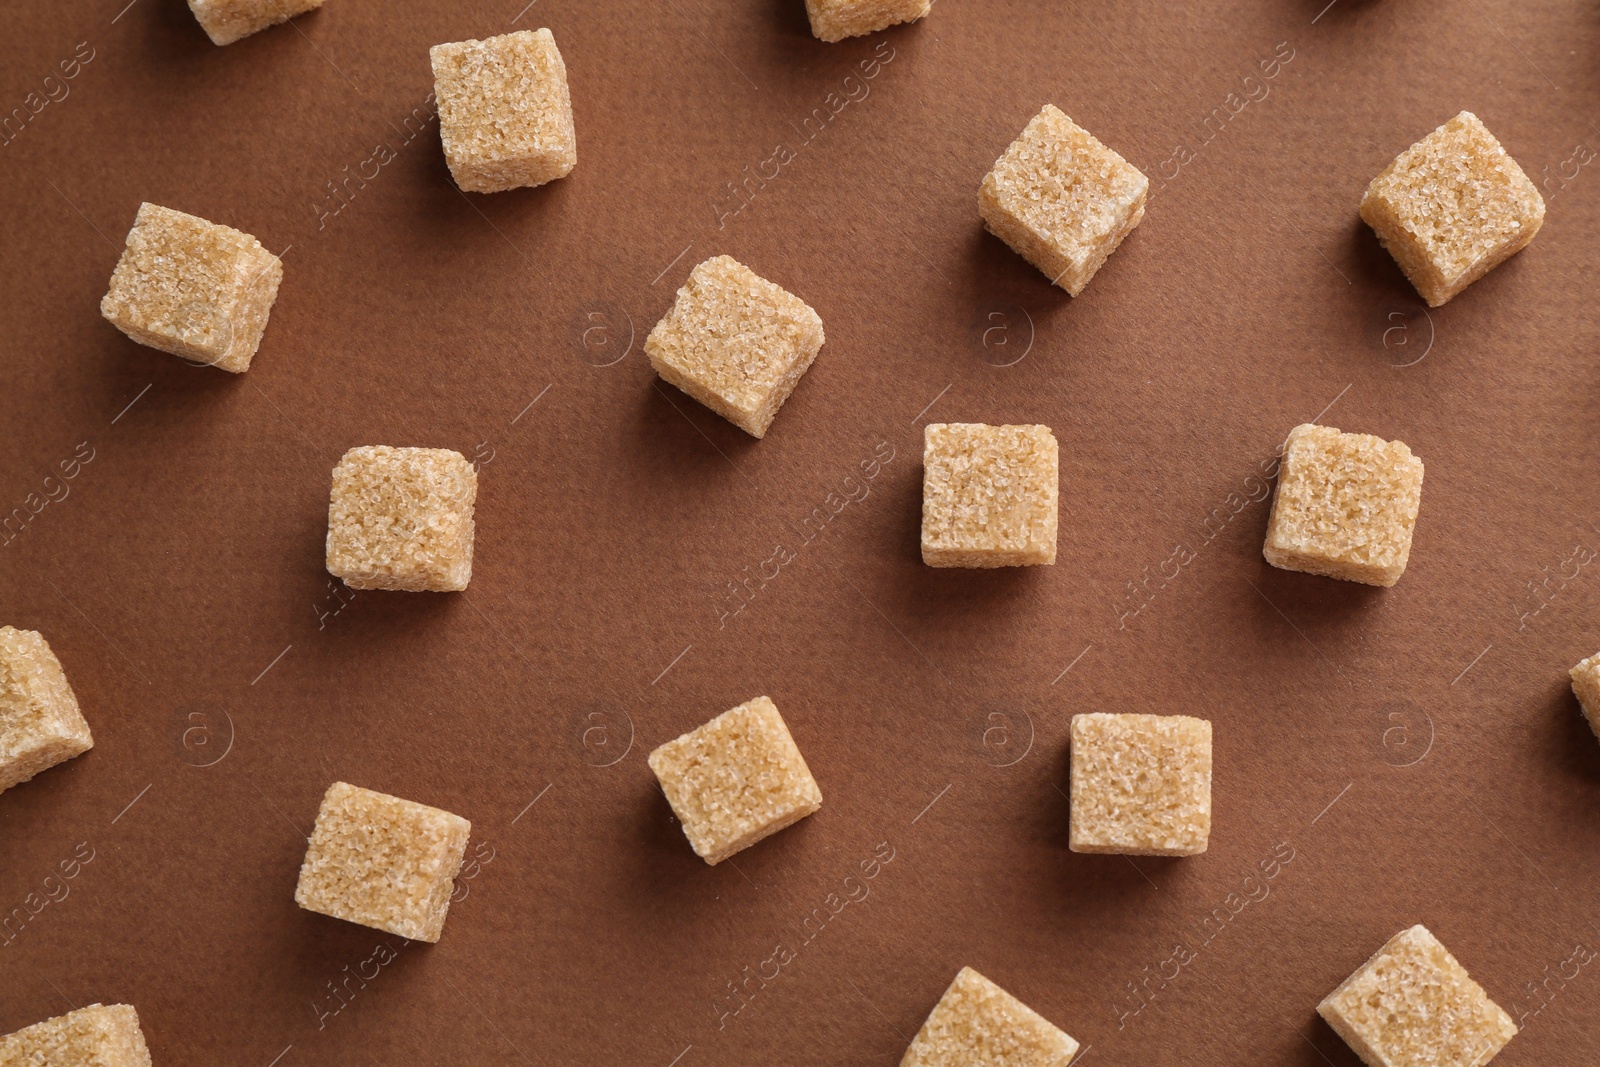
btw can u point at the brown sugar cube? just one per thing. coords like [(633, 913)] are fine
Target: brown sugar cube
[(193, 288), (101, 1035), (1586, 686), (226, 21), (1141, 784), (1413, 1005), (834, 20), (382, 862), (735, 780), (1346, 506), (735, 342), (1062, 200), (505, 115), (1452, 207), (978, 1024), (989, 495), (401, 518), (40, 724)]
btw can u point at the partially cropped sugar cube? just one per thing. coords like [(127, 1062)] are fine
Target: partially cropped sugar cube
[(1141, 784), (1586, 686), (382, 862), (736, 780), (735, 342), (978, 1024), (226, 21), (505, 115), (1452, 207), (834, 20), (193, 288), (1413, 1005), (402, 518), (1346, 506), (101, 1035), (1062, 200), (989, 495), (40, 724)]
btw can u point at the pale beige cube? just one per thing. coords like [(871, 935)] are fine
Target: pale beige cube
[(1141, 784), (40, 724), (382, 862), (1062, 200), (226, 21), (1586, 687), (1346, 506), (101, 1035), (505, 113), (1452, 207), (834, 20), (990, 495), (735, 342), (193, 288), (402, 518), (978, 1024), (736, 780), (1413, 1005)]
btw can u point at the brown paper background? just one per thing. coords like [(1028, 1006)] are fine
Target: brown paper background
[(181, 581)]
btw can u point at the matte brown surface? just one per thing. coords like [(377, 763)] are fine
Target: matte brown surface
[(1387, 756)]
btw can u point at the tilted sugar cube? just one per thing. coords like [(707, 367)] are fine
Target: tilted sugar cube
[(382, 862), (40, 724), (1452, 207), (1061, 199), (1413, 1005), (978, 1024), (736, 780), (193, 288)]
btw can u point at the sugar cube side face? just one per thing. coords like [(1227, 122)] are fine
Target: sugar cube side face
[(226, 21), (1141, 784), (834, 20), (101, 1035), (193, 288), (978, 1024), (382, 862), (736, 780), (1413, 1005), (402, 518), (1061, 199), (735, 342), (1346, 506), (1586, 687), (990, 495), (40, 724), (505, 112), (1452, 207)]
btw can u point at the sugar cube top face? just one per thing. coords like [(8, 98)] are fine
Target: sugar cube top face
[(505, 115), (978, 1024), (402, 518), (226, 21), (1452, 207), (40, 724), (1346, 506), (1586, 686), (382, 862), (1062, 200), (1141, 784), (736, 780), (989, 495), (101, 1035), (1413, 1005), (735, 342), (193, 288), (834, 20)]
